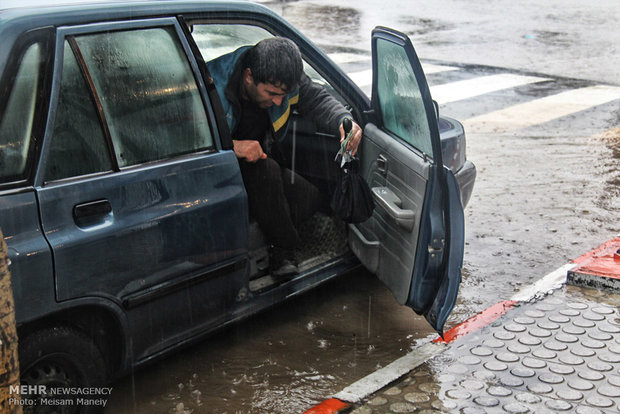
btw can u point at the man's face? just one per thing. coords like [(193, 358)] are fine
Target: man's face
[(262, 94)]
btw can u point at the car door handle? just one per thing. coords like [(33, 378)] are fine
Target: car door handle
[(392, 204), (86, 214)]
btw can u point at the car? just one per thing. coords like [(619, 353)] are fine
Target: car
[(122, 203)]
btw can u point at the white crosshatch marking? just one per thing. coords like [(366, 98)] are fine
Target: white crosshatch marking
[(364, 78), (465, 89), (543, 110), (340, 58)]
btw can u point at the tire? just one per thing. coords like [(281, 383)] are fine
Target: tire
[(61, 357)]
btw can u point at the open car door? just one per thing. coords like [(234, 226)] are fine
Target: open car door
[(414, 240)]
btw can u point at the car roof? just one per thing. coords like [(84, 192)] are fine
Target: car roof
[(17, 4), (30, 4), (20, 16), (32, 13)]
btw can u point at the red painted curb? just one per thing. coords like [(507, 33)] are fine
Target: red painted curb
[(604, 261), (330, 406), (478, 321)]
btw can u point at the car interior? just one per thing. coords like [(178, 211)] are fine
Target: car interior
[(309, 152)]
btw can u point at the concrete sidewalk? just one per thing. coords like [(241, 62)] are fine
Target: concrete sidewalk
[(554, 347)]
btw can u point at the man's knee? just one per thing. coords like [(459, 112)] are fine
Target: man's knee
[(260, 172), (268, 169)]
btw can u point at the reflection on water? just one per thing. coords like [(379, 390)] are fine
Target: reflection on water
[(281, 361), (331, 24), (417, 26)]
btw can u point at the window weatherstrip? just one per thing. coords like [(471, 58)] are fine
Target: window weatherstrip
[(96, 99), (213, 109), (45, 38)]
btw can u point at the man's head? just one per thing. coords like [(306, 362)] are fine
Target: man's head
[(272, 68)]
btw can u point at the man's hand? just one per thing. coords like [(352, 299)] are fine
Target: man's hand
[(248, 149), (355, 139)]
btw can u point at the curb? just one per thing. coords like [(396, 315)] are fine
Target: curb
[(330, 406), (600, 268)]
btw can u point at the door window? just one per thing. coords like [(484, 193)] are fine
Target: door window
[(148, 94), (78, 144), (217, 39), (400, 100), (18, 119)]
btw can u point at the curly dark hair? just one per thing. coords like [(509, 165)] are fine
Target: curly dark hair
[(275, 60)]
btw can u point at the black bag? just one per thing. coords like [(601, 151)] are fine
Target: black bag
[(352, 200)]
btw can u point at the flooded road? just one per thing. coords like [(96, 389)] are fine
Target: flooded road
[(545, 193), (283, 360)]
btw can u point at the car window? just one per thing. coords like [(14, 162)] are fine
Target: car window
[(148, 94), (216, 39), (78, 144), (17, 122), (400, 100)]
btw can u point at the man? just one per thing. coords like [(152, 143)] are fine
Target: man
[(258, 86)]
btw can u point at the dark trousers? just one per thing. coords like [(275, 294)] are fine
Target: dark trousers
[(277, 204)]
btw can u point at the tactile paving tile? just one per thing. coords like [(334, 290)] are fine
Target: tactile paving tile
[(560, 354)]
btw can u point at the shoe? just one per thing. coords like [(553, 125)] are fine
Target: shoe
[(282, 262), (286, 268)]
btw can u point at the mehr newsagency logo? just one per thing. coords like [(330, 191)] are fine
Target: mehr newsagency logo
[(42, 395)]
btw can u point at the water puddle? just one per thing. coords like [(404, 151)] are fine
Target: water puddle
[(283, 360)]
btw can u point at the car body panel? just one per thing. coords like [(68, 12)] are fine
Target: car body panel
[(30, 255)]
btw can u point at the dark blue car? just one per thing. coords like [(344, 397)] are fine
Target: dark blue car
[(122, 203)]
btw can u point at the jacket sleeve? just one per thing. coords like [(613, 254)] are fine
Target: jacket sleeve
[(321, 107)]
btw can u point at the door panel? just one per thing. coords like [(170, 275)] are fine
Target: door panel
[(167, 230), (405, 177), (137, 204), (414, 240)]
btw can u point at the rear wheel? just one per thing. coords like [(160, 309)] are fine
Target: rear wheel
[(61, 358)]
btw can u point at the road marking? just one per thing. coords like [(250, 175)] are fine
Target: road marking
[(340, 58), (364, 78), (552, 281), (477, 322), (430, 68), (542, 110), (469, 88), (331, 406)]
